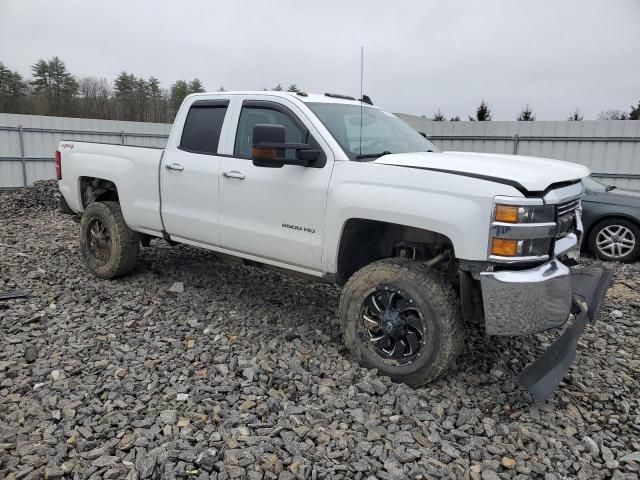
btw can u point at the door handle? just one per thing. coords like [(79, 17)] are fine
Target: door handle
[(174, 166), (234, 174)]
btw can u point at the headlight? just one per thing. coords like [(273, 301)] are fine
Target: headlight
[(521, 232), (525, 213)]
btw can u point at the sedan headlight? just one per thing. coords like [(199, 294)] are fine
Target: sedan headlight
[(521, 232)]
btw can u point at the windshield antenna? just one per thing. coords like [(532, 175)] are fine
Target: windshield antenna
[(361, 92)]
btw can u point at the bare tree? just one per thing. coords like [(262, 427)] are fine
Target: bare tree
[(613, 115), (95, 95)]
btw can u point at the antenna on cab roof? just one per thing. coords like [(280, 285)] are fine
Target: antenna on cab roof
[(361, 92)]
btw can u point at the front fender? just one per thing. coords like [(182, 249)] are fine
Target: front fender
[(454, 206)]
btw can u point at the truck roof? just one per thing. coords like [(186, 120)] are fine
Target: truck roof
[(302, 96)]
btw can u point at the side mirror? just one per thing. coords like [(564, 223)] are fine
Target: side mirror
[(269, 146), (265, 141)]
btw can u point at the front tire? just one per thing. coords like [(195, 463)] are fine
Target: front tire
[(615, 239), (403, 320), (109, 247)]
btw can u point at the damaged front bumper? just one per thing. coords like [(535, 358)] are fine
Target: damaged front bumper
[(528, 301)]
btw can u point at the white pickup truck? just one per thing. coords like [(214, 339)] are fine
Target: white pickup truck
[(337, 189)]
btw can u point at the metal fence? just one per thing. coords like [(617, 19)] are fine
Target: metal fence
[(611, 149), (28, 142)]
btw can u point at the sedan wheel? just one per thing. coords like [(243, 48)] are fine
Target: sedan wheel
[(615, 240)]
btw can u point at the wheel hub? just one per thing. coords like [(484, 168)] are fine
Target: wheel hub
[(393, 326), (99, 240), (615, 241), (392, 323)]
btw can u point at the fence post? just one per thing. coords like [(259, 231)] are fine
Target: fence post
[(122, 137), (516, 141), (22, 156)]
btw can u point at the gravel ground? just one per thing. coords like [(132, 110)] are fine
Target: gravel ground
[(238, 372)]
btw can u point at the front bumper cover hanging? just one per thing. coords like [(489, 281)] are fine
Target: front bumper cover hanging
[(589, 287)]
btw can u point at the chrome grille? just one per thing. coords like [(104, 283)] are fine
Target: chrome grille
[(566, 220), (567, 207)]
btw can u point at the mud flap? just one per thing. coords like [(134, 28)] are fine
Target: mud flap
[(589, 287)]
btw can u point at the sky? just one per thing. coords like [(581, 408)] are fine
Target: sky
[(419, 56)]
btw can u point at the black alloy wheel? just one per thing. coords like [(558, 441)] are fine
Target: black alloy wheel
[(393, 325)]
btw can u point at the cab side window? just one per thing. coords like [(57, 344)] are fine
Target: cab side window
[(252, 116), (201, 132)]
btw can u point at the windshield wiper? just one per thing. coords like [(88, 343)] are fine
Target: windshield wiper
[(372, 155), (609, 188)]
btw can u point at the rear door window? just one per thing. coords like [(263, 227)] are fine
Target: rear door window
[(201, 132)]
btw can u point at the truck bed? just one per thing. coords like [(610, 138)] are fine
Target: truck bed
[(135, 170)]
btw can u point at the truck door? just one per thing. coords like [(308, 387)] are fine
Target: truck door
[(189, 173), (273, 213)]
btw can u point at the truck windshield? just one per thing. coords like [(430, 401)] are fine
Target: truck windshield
[(382, 133)]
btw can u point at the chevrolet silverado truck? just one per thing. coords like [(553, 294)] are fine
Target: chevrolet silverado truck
[(335, 188)]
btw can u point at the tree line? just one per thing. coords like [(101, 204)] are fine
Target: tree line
[(54, 90), (483, 114)]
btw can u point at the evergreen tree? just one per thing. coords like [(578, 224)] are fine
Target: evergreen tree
[(439, 117), (278, 88), (576, 116), (634, 114), (179, 90), (157, 108), (125, 86), (483, 113), (196, 86), (293, 88), (13, 90), (526, 115), (55, 84)]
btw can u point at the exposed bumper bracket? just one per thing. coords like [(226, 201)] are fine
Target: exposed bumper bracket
[(589, 288)]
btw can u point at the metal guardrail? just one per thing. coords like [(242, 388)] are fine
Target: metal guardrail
[(516, 139), (22, 130)]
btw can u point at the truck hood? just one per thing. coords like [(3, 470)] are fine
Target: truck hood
[(527, 174)]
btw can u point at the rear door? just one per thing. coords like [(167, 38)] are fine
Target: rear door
[(189, 173), (274, 213)]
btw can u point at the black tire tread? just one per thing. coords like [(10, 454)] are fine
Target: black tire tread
[(126, 242), (439, 293)]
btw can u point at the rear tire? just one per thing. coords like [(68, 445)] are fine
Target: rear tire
[(109, 247), (423, 320), (615, 239)]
